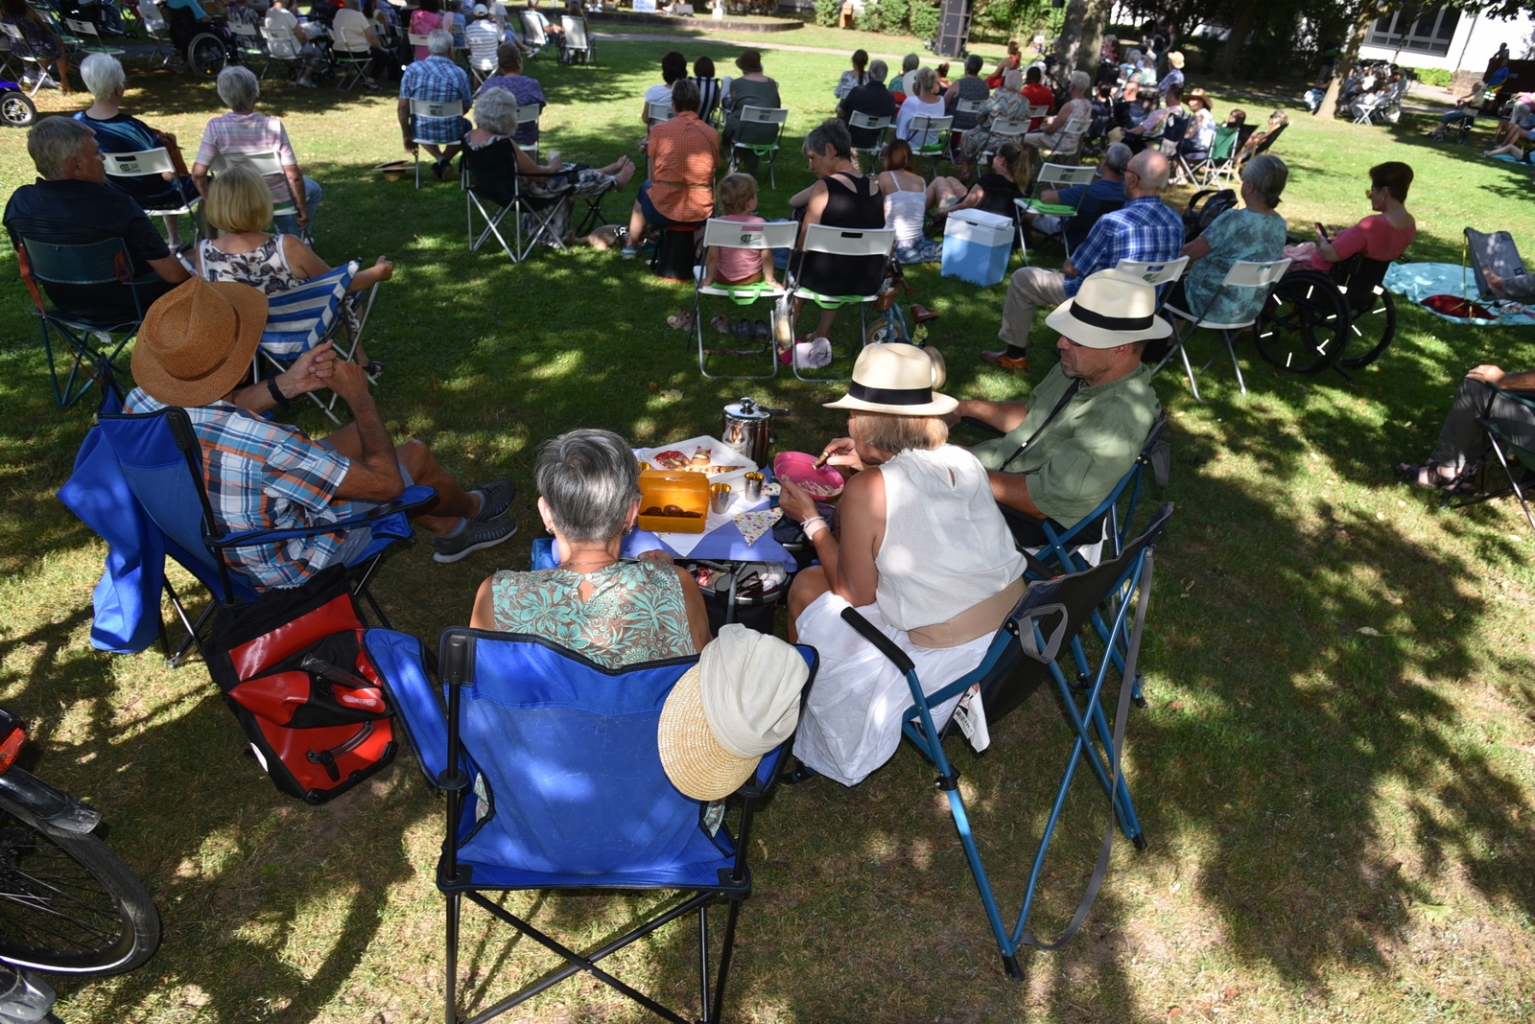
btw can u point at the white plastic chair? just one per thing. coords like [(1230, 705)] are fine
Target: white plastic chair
[(734, 235), (158, 31), (759, 131), (929, 137), (1243, 274), (1070, 141), (144, 163), (839, 241), (431, 109), (266, 165), (88, 38), (533, 33), (577, 41), (1154, 274), (252, 47), (1053, 177), (867, 122), (655, 113), (1000, 132)]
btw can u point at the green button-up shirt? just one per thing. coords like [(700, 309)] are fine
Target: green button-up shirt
[(1082, 454)]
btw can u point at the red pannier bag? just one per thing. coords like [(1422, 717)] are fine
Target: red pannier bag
[(294, 671)]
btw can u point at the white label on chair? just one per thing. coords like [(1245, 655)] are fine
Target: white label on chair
[(128, 167)]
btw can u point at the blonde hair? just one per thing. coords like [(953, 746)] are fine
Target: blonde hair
[(737, 193), (891, 433), (238, 200)]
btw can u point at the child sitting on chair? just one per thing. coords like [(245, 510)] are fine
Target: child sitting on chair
[(725, 265)]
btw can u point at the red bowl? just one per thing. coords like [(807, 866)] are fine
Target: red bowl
[(799, 469)]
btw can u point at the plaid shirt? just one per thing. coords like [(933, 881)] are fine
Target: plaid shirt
[(262, 475), (1143, 229), (439, 80)]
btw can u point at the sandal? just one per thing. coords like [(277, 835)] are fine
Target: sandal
[(720, 322), (374, 369), (682, 320)]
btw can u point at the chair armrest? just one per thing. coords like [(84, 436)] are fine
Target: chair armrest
[(410, 499), (885, 645)]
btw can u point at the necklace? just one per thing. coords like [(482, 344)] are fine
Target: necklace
[(594, 561)]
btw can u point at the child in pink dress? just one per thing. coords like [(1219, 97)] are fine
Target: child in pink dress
[(724, 265)]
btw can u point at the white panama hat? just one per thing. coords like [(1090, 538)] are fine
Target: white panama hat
[(897, 378), (1109, 310)]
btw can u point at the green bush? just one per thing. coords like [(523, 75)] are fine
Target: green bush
[(924, 20), (868, 18), (1432, 76), (828, 12), (892, 15)]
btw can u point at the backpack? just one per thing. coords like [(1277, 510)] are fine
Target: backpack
[(1204, 208), (293, 670)]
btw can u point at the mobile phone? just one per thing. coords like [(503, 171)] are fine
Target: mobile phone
[(1321, 230)]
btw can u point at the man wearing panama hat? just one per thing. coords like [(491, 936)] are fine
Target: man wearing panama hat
[(194, 347), (1081, 429)]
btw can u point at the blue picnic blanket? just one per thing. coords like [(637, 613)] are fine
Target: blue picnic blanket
[(1417, 281)]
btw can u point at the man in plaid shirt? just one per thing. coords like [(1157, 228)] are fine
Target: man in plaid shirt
[(1144, 229), (192, 350), (438, 80)]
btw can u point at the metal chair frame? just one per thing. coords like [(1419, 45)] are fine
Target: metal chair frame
[(757, 117), (1243, 274), (731, 234), (840, 242)]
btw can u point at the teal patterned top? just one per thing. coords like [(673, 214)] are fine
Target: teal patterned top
[(635, 614)]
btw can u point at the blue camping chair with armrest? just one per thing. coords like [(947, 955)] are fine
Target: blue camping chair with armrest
[(161, 462), (733, 235), (555, 783), (1022, 655), (103, 264)]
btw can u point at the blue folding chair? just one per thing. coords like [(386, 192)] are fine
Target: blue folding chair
[(1023, 655), (89, 341), (554, 782), (160, 462)]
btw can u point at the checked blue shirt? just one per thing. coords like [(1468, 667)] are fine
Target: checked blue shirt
[(439, 80), (1143, 229)]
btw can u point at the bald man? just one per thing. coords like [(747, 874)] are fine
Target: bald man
[(1144, 229)]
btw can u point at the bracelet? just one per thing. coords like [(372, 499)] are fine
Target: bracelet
[(271, 385), (806, 527)]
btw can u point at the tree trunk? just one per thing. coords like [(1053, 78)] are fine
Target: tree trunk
[(1247, 15), (1071, 41), (1369, 10), (1089, 51)]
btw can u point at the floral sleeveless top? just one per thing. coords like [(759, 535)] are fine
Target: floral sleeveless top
[(635, 614), (264, 267)]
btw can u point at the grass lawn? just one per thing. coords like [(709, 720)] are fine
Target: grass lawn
[(1334, 773)]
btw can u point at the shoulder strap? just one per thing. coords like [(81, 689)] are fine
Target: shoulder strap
[(1065, 399)]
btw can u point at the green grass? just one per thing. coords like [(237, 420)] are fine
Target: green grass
[(1340, 822)]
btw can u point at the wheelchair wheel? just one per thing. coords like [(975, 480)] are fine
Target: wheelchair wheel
[(885, 330), (16, 109), (206, 55), (1374, 327), (1305, 326)]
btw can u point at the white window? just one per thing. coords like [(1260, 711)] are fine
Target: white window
[(1430, 32)]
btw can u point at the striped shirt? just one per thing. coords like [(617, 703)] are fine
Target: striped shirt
[(1144, 229), (263, 475), (438, 80), (250, 133)]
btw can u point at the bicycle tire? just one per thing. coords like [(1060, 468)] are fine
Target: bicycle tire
[(207, 55), (885, 330), (1379, 317), (61, 889)]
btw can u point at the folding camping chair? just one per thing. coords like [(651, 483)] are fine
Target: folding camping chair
[(734, 235), (1224, 168), (87, 38), (533, 33), (159, 461), (759, 132), (1496, 436), (1221, 148), (252, 49), (352, 54), (317, 311), (1243, 274), (554, 784), (284, 47), (431, 110), (494, 189), (931, 135), (574, 42), (268, 165), (157, 31), (88, 338), (1023, 654), (151, 161), (859, 121), (841, 242)]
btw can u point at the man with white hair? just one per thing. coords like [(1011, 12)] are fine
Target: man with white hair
[(242, 130), (439, 80), (71, 204), (1102, 195), (1145, 229)]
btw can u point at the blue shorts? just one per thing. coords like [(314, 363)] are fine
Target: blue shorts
[(655, 217)]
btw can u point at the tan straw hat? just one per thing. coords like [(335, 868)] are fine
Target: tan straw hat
[(197, 341), (1175, 59), (739, 702), (1110, 309), (897, 378)]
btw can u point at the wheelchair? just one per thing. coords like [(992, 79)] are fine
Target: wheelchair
[(204, 49), (1314, 320)]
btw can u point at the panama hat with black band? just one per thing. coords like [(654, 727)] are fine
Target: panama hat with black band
[(1109, 310), (899, 379)]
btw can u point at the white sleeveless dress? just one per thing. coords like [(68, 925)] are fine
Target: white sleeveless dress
[(946, 548)]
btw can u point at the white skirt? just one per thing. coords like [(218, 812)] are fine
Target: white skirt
[(852, 722)]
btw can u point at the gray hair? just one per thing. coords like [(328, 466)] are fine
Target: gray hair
[(685, 95), (910, 62), (1012, 79), (238, 88), (102, 75), (831, 132), (1118, 157), (922, 82), (973, 64), (589, 478), (1267, 175), (1079, 81), (878, 70), (496, 111), (439, 43), (54, 141)]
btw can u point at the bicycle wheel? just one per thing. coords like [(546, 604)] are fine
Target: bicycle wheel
[(1373, 326), (885, 329), (1305, 326), (207, 55), (67, 904)]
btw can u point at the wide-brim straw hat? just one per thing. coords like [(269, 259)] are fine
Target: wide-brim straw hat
[(1175, 59), (1109, 310), (197, 341), (899, 379), (694, 760)]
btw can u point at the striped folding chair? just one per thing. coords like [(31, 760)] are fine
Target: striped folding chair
[(320, 310)]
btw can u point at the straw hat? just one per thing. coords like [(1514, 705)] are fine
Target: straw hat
[(1175, 59), (750, 61), (197, 341), (897, 378), (1110, 309), (739, 702)]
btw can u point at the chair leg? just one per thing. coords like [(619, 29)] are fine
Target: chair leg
[(704, 1003), (1232, 348), (450, 986)]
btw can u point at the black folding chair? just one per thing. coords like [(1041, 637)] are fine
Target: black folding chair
[(1512, 455)]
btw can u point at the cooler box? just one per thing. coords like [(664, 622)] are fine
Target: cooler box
[(976, 246)]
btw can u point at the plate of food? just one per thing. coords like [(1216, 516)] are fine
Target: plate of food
[(800, 470), (716, 460)]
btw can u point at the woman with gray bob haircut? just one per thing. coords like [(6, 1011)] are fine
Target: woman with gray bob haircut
[(243, 132), (613, 610), (1253, 233)]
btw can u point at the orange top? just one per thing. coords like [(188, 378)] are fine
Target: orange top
[(684, 154)]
